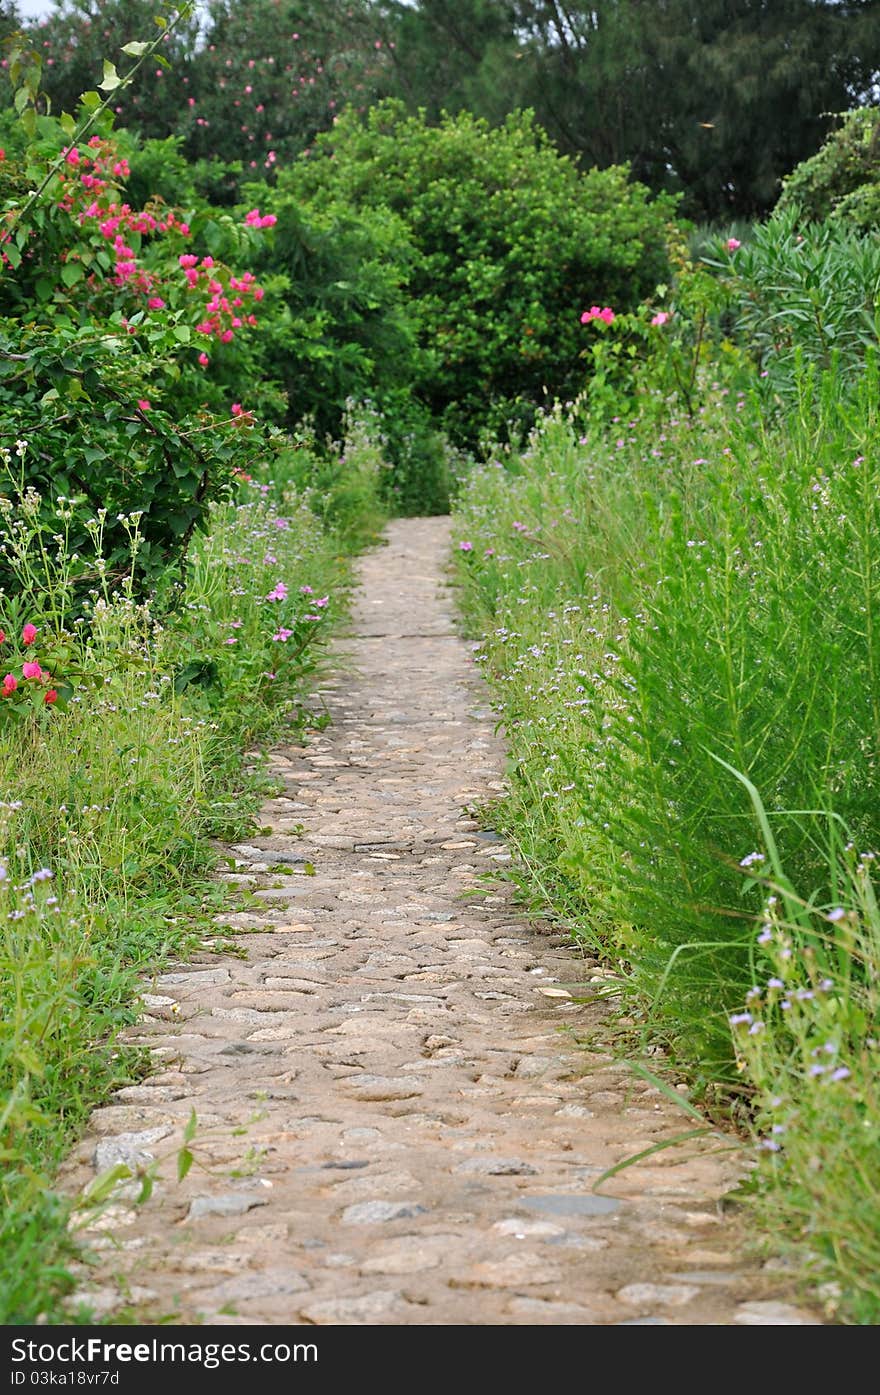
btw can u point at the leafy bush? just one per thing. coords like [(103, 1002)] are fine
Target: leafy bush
[(842, 180), (109, 324), (511, 241), (803, 294)]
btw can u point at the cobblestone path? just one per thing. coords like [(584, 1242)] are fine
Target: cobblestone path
[(396, 1124)]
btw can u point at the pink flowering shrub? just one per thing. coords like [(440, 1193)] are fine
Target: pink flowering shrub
[(26, 687), (132, 327)]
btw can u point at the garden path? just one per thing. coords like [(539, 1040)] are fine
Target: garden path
[(396, 1122)]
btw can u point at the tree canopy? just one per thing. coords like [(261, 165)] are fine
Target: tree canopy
[(719, 99)]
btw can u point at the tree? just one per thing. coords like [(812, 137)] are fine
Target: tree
[(249, 82), (718, 98), (511, 242)]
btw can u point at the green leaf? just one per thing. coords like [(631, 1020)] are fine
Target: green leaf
[(13, 255), (90, 100), (71, 272), (135, 49), (182, 333), (192, 1124), (112, 80), (184, 1163)]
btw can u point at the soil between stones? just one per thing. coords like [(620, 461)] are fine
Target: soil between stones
[(395, 1123)]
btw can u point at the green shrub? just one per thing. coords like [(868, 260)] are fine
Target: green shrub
[(121, 348), (511, 243), (803, 294), (842, 180)]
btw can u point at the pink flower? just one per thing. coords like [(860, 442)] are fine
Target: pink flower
[(204, 360), (661, 317), (31, 670), (156, 303), (278, 593), (186, 259), (2, 636), (237, 409), (9, 684), (51, 696), (184, 229), (144, 404), (29, 634), (325, 600), (597, 313), (306, 591), (282, 635), (71, 156), (465, 547), (227, 336), (733, 243)]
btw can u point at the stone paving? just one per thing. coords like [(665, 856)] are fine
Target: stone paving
[(396, 1124)]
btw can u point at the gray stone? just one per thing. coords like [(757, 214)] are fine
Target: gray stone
[(497, 1167), (667, 1295), (226, 1204), (373, 1212), (565, 1204), (245, 1288), (361, 1311), (774, 1314), (384, 1087), (129, 1149)]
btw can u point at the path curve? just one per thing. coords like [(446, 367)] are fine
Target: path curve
[(395, 1123)]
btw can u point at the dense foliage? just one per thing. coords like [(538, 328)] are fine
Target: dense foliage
[(842, 180), (510, 239)]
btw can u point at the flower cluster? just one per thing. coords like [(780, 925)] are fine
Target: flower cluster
[(255, 219), (596, 312), (30, 677)]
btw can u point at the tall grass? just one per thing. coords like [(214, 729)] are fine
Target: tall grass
[(661, 608)]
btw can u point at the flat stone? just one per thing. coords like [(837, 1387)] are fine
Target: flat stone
[(497, 1167), (770, 1313), (225, 1204), (413, 1253), (565, 1204), (384, 1087), (522, 1269), (129, 1149), (667, 1295), (269, 1283), (374, 1212), (194, 978), (362, 1311), (524, 1229)]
